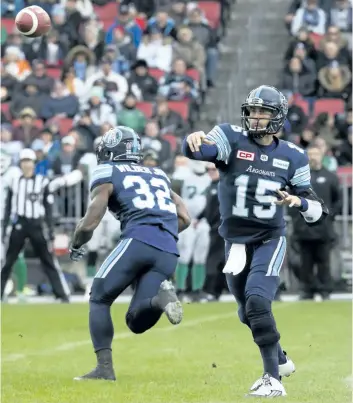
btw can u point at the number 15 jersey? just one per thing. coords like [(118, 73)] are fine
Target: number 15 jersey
[(141, 201), (250, 175)]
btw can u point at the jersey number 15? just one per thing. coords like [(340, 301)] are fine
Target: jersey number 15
[(151, 194)]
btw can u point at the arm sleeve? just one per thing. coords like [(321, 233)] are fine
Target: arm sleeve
[(222, 136), (313, 209), (48, 201), (102, 174)]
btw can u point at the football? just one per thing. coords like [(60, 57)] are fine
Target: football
[(33, 22)]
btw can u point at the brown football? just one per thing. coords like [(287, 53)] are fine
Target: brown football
[(33, 21)]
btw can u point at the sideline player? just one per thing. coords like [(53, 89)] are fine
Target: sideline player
[(255, 169), (194, 242), (151, 216)]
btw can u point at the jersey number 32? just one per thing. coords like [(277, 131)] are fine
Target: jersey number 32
[(151, 194)]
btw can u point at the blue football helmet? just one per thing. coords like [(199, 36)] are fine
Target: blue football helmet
[(267, 98), (120, 143)]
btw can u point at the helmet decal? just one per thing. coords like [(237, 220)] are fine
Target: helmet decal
[(113, 137)]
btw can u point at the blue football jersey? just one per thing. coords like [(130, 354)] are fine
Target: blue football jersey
[(250, 175), (142, 202)]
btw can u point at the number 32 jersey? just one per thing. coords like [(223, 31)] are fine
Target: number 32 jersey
[(250, 175), (141, 201)]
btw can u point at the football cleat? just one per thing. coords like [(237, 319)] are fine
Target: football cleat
[(267, 387), (99, 373), (287, 368), (168, 301)]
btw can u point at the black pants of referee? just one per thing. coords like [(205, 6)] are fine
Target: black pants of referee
[(32, 230), (315, 253), (215, 279)]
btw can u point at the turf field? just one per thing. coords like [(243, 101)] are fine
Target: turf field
[(209, 358)]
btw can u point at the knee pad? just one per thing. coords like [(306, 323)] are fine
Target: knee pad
[(262, 322), (133, 325), (242, 315)]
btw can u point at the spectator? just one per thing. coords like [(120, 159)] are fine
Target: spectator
[(344, 152), (340, 16), (153, 140), (178, 12), (163, 24), (307, 136), (93, 39), (127, 23), (298, 79), (82, 60), (86, 129), (335, 81), (140, 78), (50, 147), (207, 37), (40, 78), (150, 158), (145, 8), (325, 125), (331, 53), (328, 161), (66, 21), (130, 116), (156, 51), (8, 144), (99, 111), (106, 74), (311, 16), (301, 53), (60, 103), (27, 131), (344, 122), (333, 34), (68, 157), (296, 116), (42, 163), (28, 97), (189, 50), (84, 7), (74, 85), (51, 50), (170, 122), (15, 63), (303, 38), (122, 44), (9, 83)]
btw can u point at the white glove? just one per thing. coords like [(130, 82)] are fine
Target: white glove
[(236, 261)]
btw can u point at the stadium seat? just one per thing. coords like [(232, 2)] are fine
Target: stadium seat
[(302, 103), (146, 108), (194, 74), (5, 109), (8, 24), (107, 12), (107, 24), (156, 73), (212, 10), (54, 72), (345, 175), (316, 39), (172, 140), (181, 107), (65, 124), (331, 106), (37, 123)]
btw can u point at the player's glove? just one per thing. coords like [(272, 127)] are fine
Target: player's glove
[(76, 254)]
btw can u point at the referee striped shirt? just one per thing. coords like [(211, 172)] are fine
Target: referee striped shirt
[(28, 197)]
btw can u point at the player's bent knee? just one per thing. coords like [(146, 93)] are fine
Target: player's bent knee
[(242, 315), (134, 325), (98, 295), (262, 323)]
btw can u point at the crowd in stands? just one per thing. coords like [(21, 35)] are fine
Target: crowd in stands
[(143, 64), (317, 77)]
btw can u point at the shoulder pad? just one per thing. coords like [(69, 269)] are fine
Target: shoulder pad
[(101, 174)]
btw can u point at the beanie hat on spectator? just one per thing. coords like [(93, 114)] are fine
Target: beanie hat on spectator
[(139, 63), (97, 92), (58, 10)]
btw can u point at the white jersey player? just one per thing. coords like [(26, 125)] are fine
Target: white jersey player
[(194, 241)]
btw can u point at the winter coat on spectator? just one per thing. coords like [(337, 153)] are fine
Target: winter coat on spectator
[(84, 7), (309, 47), (44, 84), (192, 53), (132, 118), (10, 83), (341, 18), (119, 80), (303, 83), (343, 58), (172, 123), (53, 54), (313, 20), (22, 99), (203, 33), (168, 30), (297, 119), (147, 7), (171, 85), (158, 144), (67, 105), (147, 85), (131, 27), (334, 87), (84, 69), (25, 134), (157, 54), (125, 48), (99, 114)]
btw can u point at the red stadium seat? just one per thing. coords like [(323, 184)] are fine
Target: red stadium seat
[(54, 72), (172, 140), (65, 124), (181, 107), (316, 39), (8, 24), (146, 108), (156, 73), (5, 109), (107, 12), (212, 10), (107, 24), (345, 175), (302, 103), (194, 74), (331, 106), (37, 123)]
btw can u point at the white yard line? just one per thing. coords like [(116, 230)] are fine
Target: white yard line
[(125, 335)]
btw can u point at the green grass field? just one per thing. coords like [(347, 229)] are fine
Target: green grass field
[(209, 358)]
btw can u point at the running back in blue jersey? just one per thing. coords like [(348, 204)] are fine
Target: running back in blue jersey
[(250, 175), (141, 200)]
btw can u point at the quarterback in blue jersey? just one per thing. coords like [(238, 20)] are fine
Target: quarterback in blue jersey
[(259, 175), (151, 216)]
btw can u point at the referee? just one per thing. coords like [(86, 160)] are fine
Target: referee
[(29, 203)]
